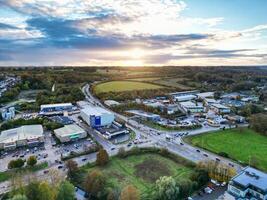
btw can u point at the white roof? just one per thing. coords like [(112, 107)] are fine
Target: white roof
[(26, 132), (205, 94), (56, 105), (111, 102), (69, 130), (220, 106), (94, 110), (190, 104)]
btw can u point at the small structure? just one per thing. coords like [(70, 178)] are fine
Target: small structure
[(145, 115), (96, 116), (28, 135), (62, 120), (8, 114), (111, 103), (204, 95), (250, 183), (70, 133)]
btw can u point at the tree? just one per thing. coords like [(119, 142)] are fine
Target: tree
[(32, 190), (102, 157), (122, 152), (66, 191), (32, 161), (72, 167), (129, 193), (19, 197), (166, 189), (45, 192), (258, 123), (16, 163), (95, 183)]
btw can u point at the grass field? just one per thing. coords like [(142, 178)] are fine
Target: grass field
[(121, 86), (141, 170), (240, 144)]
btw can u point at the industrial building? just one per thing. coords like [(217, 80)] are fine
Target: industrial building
[(145, 115), (55, 108), (28, 135), (96, 116), (220, 109), (8, 114), (250, 183), (191, 107), (70, 133)]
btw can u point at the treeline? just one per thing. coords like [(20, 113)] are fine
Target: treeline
[(49, 125), (258, 122)]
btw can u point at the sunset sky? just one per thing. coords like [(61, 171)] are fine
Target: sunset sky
[(133, 32)]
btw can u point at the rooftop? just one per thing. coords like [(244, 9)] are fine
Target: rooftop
[(21, 133), (220, 106), (55, 105), (94, 110), (252, 176), (191, 104), (68, 130)]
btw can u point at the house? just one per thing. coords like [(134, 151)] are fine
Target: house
[(249, 184)]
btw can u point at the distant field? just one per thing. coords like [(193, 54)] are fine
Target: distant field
[(239, 145), (173, 82), (141, 171), (121, 86), (145, 79)]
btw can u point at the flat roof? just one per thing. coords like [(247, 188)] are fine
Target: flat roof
[(252, 176), (190, 104), (69, 130), (55, 105), (142, 113), (205, 94), (95, 110), (26, 132), (220, 106)]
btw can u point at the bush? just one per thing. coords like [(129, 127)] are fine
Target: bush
[(16, 163), (223, 154), (32, 161)]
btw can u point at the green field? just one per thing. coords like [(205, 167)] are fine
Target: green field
[(240, 144), (121, 86), (141, 171)]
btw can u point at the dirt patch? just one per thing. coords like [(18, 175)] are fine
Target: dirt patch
[(151, 170)]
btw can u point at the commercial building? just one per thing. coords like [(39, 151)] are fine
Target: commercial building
[(29, 135), (185, 95), (204, 95), (58, 108), (70, 133), (220, 109), (96, 116), (8, 114), (145, 115), (249, 184), (189, 106)]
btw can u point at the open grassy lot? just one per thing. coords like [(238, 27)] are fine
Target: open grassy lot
[(240, 144), (141, 170), (121, 86)]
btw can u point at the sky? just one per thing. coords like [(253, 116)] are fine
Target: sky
[(133, 32)]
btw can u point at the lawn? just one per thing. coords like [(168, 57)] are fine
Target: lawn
[(122, 86), (240, 144), (141, 170)]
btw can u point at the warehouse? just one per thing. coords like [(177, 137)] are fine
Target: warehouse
[(55, 108), (220, 109), (96, 116), (29, 135), (70, 133), (189, 106)]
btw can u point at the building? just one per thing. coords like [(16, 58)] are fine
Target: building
[(184, 97), (70, 133), (249, 184), (189, 106), (220, 109), (96, 116), (59, 108), (111, 103), (8, 114), (145, 115), (204, 95), (62, 119), (28, 135)]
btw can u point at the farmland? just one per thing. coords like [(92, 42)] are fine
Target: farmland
[(240, 144)]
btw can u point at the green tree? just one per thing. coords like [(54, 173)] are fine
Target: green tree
[(32, 190), (95, 183), (258, 123), (72, 167), (31, 161), (19, 197), (102, 157), (166, 189), (46, 192), (66, 191), (129, 193), (16, 163)]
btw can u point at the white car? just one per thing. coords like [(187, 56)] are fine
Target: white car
[(208, 190)]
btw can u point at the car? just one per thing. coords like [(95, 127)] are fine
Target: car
[(223, 184), (60, 167), (46, 171), (198, 150), (189, 198), (206, 155), (84, 159), (230, 164), (113, 148), (181, 143), (217, 159), (208, 190)]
